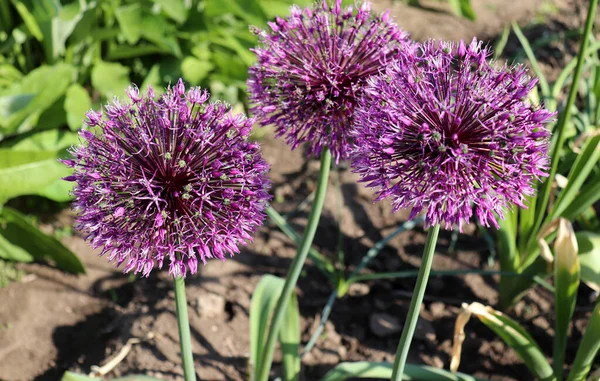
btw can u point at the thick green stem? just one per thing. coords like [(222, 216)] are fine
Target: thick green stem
[(296, 266), (184, 330), (565, 116), (415, 304)]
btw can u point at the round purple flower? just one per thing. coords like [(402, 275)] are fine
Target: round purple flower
[(444, 129), (172, 178), (311, 68)]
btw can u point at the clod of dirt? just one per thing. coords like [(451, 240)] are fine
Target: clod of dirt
[(358, 289), (383, 325), (437, 309), (210, 306)]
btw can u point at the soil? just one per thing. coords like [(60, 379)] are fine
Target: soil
[(51, 321)]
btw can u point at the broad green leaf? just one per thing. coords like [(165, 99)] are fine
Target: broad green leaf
[(20, 232), (49, 140), (110, 79), (263, 303), (566, 283), (583, 166), (364, 369), (8, 75), (175, 9), (157, 30), (77, 104), (13, 252), (249, 10), (589, 258), (517, 338), (195, 70), (289, 337), (48, 84), (14, 103), (28, 172), (130, 20), (588, 349)]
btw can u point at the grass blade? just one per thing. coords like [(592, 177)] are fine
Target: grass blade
[(590, 343)]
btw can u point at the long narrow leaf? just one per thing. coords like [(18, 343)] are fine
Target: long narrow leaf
[(516, 337), (588, 195), (566, 283), (263, 303), (364, 369), (534, 63), (583, 166), (590, 344), (289, 337)]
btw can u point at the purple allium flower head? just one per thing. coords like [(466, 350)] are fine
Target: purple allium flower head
[(172, 178), (446, 130), (311, 68)]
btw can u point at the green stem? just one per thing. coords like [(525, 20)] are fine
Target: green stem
[(415, 304), (296, 266), (184, 330), (564, 117)]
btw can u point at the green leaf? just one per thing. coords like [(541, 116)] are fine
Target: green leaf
[(157, 30), (20, 232), (263, 303), (29, 20), (364, 369), (532, 60), (588, 195), (77, 104), (289, 337), (49, 140), (589, 258), (130, 20), (584, 164), (175, 9), (566, 283), (516, 337), (249, 10), (12, 104), (48, 84), (588, 349), (8, 75), (13, 252), (463, 8), (110, 79), (28, 172), (195, 70)]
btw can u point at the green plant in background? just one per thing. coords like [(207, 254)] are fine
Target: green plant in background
[(567, 274), (521, 235), (58, 59)]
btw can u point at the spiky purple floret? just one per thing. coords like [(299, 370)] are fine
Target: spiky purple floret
[(444, 129), (311, 68), (172, 178)]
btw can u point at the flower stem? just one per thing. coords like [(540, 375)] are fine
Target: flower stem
[(415, 304), (184, 330), (296, 266)]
